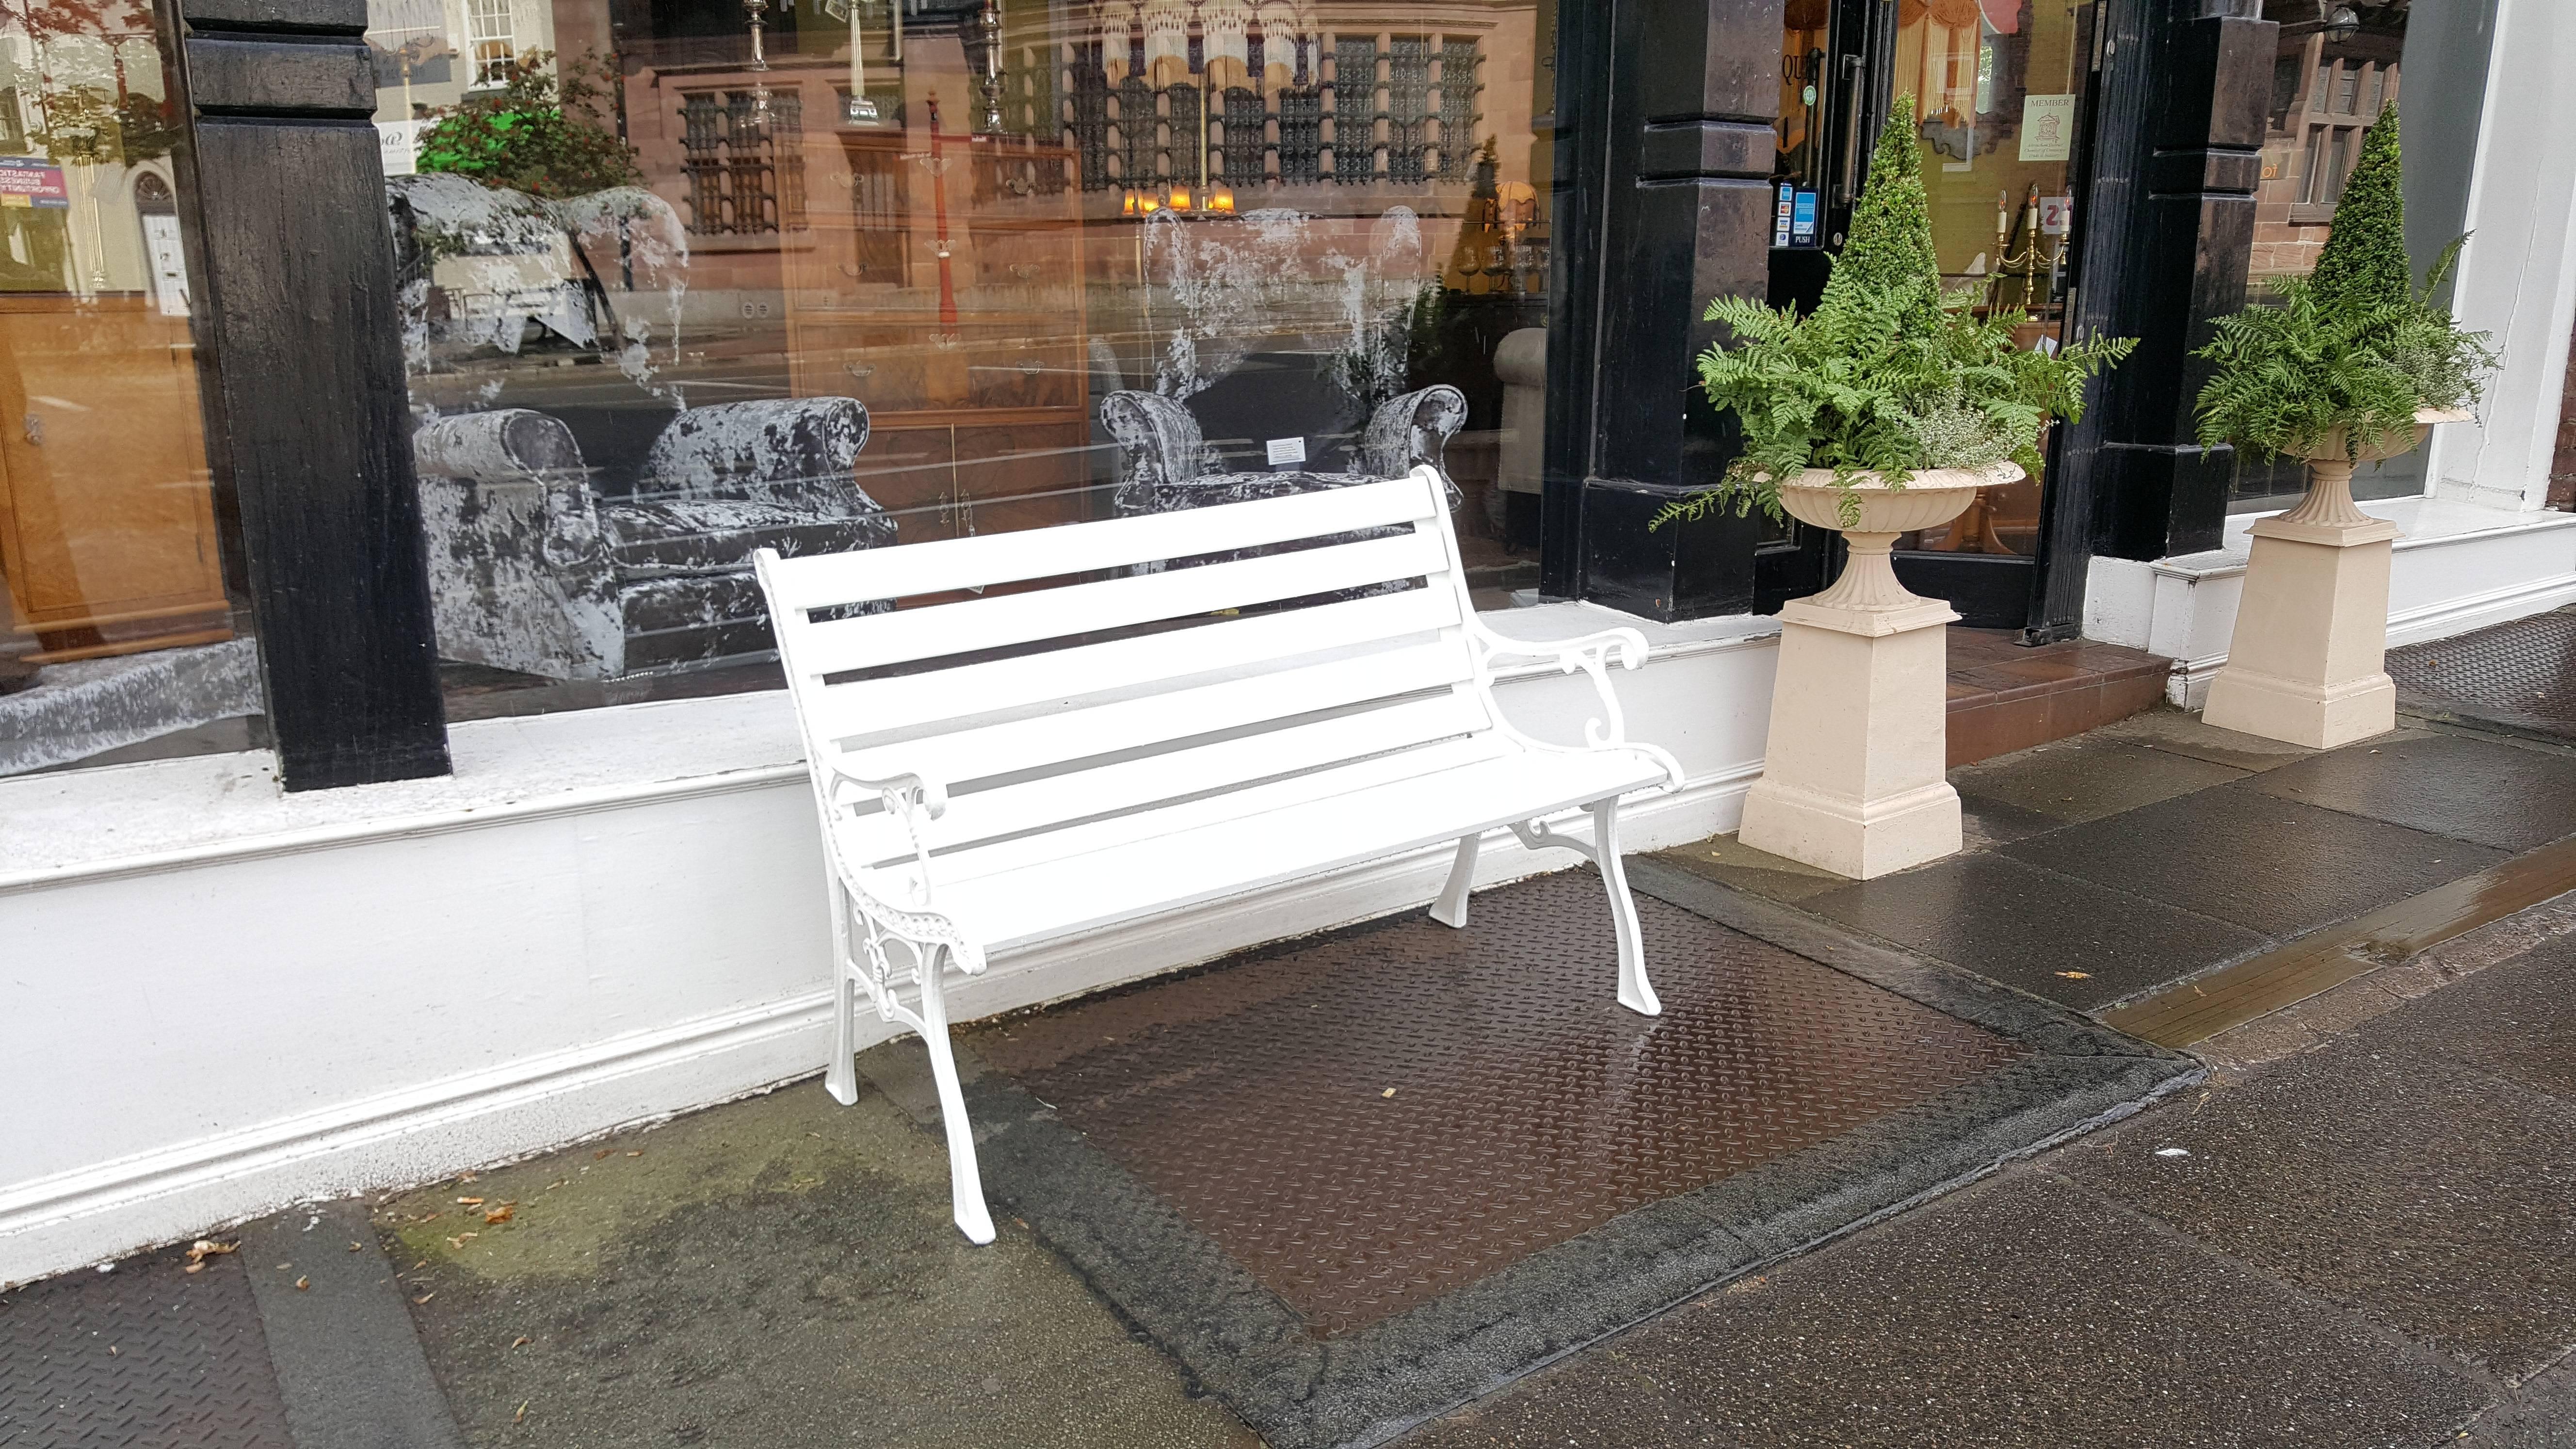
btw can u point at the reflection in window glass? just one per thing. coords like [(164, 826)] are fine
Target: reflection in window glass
[(1999, 87), (120, 640), (2313, 139), (822, 275)]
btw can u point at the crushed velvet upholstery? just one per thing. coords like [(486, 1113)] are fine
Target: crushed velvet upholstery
[(537, 565), (1164, 461)]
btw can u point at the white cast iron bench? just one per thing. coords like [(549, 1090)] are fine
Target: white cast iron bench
[(1161, 729)]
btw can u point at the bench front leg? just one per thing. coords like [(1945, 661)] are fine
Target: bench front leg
[(1635, 992), (965, 1180), (1451, 908)]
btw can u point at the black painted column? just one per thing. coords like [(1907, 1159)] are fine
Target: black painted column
[(1677, 122), (298, 327), (2167, 241)]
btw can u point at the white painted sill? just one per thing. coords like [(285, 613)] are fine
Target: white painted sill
[(2425, 522), (162, 815)]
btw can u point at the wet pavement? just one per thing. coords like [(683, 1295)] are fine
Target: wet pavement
[(2358, 1230), (2114, 865), (2354, 1234)]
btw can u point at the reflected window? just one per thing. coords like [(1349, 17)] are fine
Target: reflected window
[(889, 273), (121, 638), (493, 27)]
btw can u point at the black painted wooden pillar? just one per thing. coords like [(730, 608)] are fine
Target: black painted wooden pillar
[(2184, 91), (1665, 110), (302, 346)]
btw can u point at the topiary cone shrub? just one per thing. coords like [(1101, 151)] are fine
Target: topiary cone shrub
[(1888, 375), (2344, 358)]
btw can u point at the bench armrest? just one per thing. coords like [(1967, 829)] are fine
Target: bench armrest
[(907, 797), (1592, 654)]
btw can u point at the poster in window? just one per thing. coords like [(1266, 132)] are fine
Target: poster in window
[(2047, 128)]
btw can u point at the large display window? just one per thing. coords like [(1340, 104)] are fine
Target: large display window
[(699, 277), (122, 638)]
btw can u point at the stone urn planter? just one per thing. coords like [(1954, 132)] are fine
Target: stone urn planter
[(1852, 777), (2307, 663)]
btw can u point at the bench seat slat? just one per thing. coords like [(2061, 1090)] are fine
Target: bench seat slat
[(963, 756), (831, 580), (1110, 884), (1051, 802), (884, 706), (871, 640)]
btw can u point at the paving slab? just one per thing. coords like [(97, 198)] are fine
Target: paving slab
[(2178, 733), (2024, 925), (2270, 865), (2437, 1199), (769, 1273), (2023, 1313), (2486, 791), (2087, 777), (1725, 859), (339, 1336), (2516, 1020)]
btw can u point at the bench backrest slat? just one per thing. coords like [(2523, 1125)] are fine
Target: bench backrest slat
[(1094, 696), (873, 641), (894, 704), (1045, 553), (1079, 730)]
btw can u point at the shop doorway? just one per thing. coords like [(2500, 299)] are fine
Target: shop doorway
[(2003, 93)]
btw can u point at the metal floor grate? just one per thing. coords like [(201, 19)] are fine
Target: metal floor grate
[(1526, 1106), (144, 1357), (2521, 675)]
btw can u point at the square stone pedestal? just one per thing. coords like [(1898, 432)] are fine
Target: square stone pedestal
[(2307, 664), (1852, 777)]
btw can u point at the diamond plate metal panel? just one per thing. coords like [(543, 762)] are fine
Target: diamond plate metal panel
[(146, 1357), (2522, 673), (1379, 1117)]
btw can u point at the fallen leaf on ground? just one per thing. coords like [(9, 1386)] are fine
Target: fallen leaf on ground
[(194, 1268), (521, 1341), (113, 1351), (469, 1202), (354, 1248), (303, 1283), (1389, 1092), (204, 1248), (522, 1415), (425, 1297), (638, 1152), (603, 1152), (2076, 975), (500, 1214)]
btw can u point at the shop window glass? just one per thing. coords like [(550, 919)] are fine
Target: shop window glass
[(1999, 87), (121, 638), (1068, 261), (2313, 141)]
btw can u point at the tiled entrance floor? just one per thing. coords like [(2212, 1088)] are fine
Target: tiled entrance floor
[(1379, 1118), (2005, 697), (1354, 1179)]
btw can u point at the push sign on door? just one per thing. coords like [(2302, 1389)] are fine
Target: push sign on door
[(1793, 218)]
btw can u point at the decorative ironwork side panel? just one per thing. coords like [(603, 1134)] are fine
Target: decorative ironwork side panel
[(1458, 88), (1089, 125), (1244, 162), (1408, 109), (1182, 155), (1136, 125), (1355, 109), (1301, 136)]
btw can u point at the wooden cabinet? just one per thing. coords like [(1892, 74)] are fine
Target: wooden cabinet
[(107, 526)]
